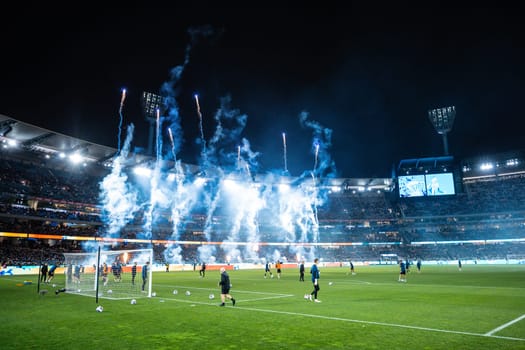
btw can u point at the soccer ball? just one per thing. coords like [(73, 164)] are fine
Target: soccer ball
[(175, 291), (133, 301), (99, 308), (306, 296), (153, 294), (330, 283), (54, 285), (188, 293), (212, 296), (110, 291)]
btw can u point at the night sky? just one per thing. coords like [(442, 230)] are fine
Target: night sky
[(367, 73)]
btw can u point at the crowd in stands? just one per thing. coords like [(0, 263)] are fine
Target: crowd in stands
[(37, 199)]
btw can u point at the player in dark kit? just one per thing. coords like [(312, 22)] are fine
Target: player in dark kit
[(202, 271), (314, 270), (402, 271), (225, 285), (133, 273)]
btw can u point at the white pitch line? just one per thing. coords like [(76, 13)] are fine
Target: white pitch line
[(381, 323), (505, 325), (357, 321), (267, 298)]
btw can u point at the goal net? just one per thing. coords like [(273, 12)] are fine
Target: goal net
[(114, 274)]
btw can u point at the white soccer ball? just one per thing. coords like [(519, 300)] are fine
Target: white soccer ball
[(175, 291), (110, 291), (330, 283), (133, 301), (212, 296), (306, 296), (99, 308), (153, 294), (54, 285), (79, 290), (188, 293)]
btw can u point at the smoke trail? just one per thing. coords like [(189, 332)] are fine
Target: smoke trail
[(172, 145), (157, 192), (211, 200), (118, 198), (284, 154), (322, 141), (230, 125), (121, 117), (182, 198), (243, 205), (158, 137), (200, 120), (170, 88), (238, 157)]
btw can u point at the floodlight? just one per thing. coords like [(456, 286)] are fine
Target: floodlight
[(152, 103), (442, 119)]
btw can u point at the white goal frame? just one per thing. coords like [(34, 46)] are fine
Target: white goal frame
[(84, 273)]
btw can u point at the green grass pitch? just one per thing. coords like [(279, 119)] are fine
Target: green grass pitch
[(480, 307)]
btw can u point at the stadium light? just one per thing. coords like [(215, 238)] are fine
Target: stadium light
[(442, 119), (150, 104)]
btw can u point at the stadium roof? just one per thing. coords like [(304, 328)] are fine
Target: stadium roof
[(22, 139)]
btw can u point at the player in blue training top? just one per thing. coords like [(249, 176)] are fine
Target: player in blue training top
[(145, 272), (314, 271), (267, 270), (51, 273)]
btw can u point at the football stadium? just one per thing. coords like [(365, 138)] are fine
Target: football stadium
[(104, 247)]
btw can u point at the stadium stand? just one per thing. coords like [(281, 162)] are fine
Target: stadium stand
[(484, 220)]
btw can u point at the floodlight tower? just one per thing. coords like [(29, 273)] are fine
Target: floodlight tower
[(443, 119), (150, 104)]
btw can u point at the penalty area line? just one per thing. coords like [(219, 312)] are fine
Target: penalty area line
[(505, 325)]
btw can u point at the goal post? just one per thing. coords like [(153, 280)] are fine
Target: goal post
[(110, 274)]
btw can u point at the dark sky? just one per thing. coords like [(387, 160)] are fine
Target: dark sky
[(368, 73)]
